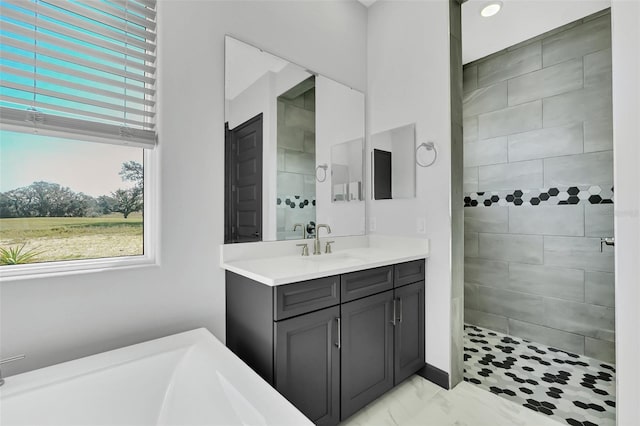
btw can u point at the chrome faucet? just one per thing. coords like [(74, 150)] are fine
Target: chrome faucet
[(301, 225), (10, 359), (316, 245)]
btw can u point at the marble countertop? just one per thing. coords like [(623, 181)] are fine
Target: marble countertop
[(368, 252)]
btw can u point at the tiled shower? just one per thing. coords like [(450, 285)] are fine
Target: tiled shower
[(296, 196), (539, 190)]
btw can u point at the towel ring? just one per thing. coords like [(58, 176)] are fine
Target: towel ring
[(324, 168), (429, 146)]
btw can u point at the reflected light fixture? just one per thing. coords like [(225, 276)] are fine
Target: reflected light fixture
[(491, 9)]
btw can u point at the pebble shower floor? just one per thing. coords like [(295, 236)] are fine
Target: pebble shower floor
[(571, 388)]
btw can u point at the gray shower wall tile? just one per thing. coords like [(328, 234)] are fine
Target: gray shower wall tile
[(486, 151), (598, 135), (299, 118), (548, 142), (581, 169), (580, 318), (550, 81), (470, 244), (570, 342), (579, 253), (483, 319), (547, 281), (470, 129), (486, 272), (598, 220), (599, 288), (516, 119), (512, 248), (469, 78), (591, 103), (291, 138), (299, 162), (494, 219), (597, 68), (470, 296), (510, 64), (547, 220), (576, 42), (600, 349), (470, 179), (523, 174), (511, 304), (485, 99)]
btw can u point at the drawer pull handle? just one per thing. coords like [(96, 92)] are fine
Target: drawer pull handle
[(339, 343)]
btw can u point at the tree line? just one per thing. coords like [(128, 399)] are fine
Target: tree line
[(46, 199)]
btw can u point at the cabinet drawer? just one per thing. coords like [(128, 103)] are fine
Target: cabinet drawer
[(364, 283), (409, 272), (306, 296)]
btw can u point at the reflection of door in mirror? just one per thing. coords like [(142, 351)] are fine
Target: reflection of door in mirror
[(296, 186), (382, 176), (243, 182), (394, 163)]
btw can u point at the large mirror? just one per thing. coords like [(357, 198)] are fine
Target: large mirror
[(288, 132), (393, 160)]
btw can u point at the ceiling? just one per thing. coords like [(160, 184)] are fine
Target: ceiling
[(519, 20)]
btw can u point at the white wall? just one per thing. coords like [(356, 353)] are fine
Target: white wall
[(408, 81), (57, 319), (625, 31)]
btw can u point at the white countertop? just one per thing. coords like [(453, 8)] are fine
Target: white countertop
[(359, 253)]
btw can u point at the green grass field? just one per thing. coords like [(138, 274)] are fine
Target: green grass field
[(67, 238)]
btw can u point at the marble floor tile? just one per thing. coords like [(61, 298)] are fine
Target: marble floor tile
[(420, 402)]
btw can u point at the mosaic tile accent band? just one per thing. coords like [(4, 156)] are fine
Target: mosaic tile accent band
[(571, 388), (561, 195), (295, 201)]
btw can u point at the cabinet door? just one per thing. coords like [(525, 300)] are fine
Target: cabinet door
[(409, 331), (367, 351), (307, 364)]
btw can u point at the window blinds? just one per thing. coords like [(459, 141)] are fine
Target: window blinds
[(81, 68)]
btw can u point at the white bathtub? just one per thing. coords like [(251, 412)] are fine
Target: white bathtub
[(186, 379)]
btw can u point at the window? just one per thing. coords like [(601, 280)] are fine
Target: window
[(77, 110)]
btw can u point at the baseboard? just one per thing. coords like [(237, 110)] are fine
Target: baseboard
[(435, 375)]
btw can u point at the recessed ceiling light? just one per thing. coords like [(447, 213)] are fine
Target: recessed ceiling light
[(491, 9)]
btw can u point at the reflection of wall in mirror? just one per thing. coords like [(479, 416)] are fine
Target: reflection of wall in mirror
[(346, 171), (339, 119), (403, 162)]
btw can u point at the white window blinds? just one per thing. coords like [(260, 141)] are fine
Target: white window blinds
[(81, 68)]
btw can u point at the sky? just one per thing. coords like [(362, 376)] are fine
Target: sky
[(88, 167)]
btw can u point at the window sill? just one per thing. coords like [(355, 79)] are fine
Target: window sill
[(72, 267)]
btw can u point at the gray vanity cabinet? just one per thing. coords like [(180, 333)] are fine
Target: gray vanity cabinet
[(367, 351), (334, 344), (307, 364), (409, 331)]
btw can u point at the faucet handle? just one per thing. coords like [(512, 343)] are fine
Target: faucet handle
[(327, 248), (305, 249)]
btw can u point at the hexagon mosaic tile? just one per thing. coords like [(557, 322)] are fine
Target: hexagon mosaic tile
[(572, 389), (561, 195)]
